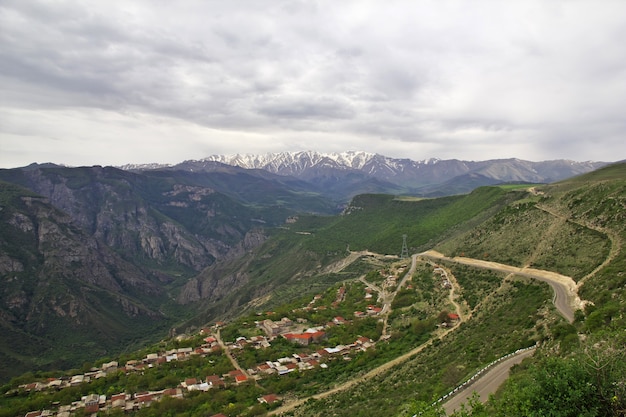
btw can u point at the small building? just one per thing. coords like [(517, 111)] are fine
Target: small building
[(303, 339), (215, 381), (118, 400), (173, 392), (268, 399), (92, 403), (240, 379), (144, 398), (265, 368), (189, 382), (110, 366), (373, 310)]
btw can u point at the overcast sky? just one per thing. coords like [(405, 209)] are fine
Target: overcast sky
[(111, 82)]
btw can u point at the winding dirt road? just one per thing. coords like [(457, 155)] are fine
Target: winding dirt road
[(292, 404), (566, 298)]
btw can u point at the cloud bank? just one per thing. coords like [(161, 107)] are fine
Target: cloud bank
[(91, 82)]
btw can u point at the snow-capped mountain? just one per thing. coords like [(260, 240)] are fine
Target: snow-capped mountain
[(309, 164), (298, 163), (295, 162), (343, 175)]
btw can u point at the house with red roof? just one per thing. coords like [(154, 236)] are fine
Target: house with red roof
[(235, 373), (265, 368), (145, 398), (268, 399), (303, 339), (215, 381), (172, 392), (189, 382), (373, 310)]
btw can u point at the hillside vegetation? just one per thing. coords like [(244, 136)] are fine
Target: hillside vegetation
[(574, 227), (399, 333), (91, 258), (302, 255)]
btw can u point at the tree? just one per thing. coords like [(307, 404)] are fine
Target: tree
[(473, 408), (423, 409), (589, 383)]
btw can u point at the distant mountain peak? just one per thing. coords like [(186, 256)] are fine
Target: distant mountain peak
[(344, 174), (295, 161)]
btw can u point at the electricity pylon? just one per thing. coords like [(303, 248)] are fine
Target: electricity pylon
[(405, 249)]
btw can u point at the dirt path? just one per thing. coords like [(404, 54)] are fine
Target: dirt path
[(566, 298), (456, 288), (383, 296), (616, 240), (230, 357), (291, 405), (343, 263), (452, 298)]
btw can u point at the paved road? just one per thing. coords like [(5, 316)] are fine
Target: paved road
[(487, 384), (562, 295)]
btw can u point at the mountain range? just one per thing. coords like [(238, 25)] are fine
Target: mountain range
[(341, 176), (96, 258), (98, 262)]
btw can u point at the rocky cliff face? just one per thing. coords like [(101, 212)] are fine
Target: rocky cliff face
[(51, 247), (143, 221), (86, 252), (219, 280), (61, 286)]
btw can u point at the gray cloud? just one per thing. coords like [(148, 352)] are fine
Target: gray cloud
[(453, 79)]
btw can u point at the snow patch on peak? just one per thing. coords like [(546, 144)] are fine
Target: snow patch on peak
[(294, 161)]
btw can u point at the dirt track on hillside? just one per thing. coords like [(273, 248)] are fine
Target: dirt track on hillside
[(566, 298), (291, 405)]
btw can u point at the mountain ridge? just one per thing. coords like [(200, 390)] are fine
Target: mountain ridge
[(330, 171)]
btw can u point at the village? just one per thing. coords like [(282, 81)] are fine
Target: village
[(310, 350), (294, 331)]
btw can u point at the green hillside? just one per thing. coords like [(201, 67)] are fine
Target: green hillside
[(574, 227), (398, 333), (297, 257)]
